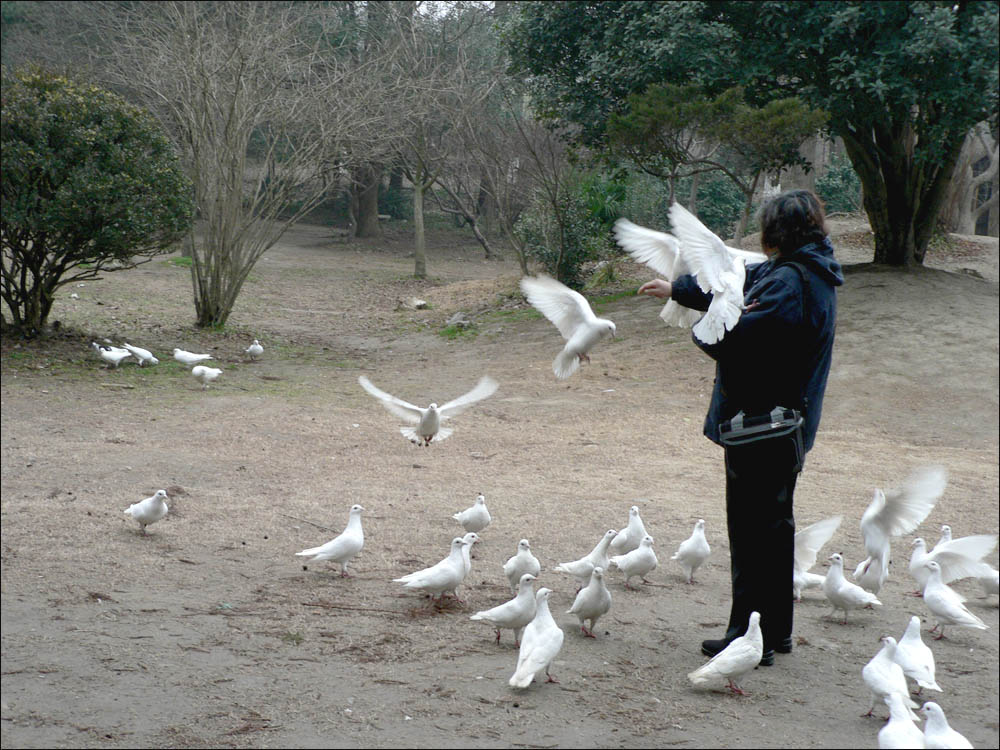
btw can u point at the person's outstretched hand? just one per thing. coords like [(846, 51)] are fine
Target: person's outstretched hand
[(656, 288)]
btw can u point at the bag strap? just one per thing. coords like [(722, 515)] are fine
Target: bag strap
[(806, 286)]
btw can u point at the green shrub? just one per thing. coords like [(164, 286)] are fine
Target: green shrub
[(840, 187)]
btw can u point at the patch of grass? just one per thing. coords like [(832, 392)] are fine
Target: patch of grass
[(609, 298), (293, 638), (180, 262), (458, 332)]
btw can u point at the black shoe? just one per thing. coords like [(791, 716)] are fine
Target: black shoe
[(712, 647), (785, 647)]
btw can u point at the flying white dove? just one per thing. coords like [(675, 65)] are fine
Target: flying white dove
[(596, 558), (883, 676), (665, 255), (187, 358), (899, 733), (628, 538), (808, 542), (143, 355), (958, 558), (841, 593), (892, 513), (476, 517), (437, 579), (639, 562), (111, 354), (150, 510), (915, 658), (571, 314), (521, 563), (342, 548), (428, 421), (516, 613), (540, 645), (693, 551), (592, 602), (737, 659), (205, 374), (946, 604), (254, 350), (937, 732)]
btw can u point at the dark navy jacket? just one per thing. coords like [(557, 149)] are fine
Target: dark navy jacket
[(778, 354)]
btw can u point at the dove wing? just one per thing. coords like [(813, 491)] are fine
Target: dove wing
[(557, 302), (484, 388), (906, 508), (707, 255), (658, 250), (402, 409), (811, 539), (962, 558)]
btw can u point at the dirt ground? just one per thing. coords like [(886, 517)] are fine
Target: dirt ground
[(210, 633)]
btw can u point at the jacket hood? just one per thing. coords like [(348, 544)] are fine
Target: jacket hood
[(818, 257)]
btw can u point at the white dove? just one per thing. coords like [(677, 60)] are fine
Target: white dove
[(516, 613), (592, 602), (254, 350), (628, 538), (476, 517), (342, 548), (469, 539), (428, 421), (665, 255), (808, 542), (143, 355), (437, 579), (958, 558), (899, 733), (639, 562), (187, 358), (522, 562), (150, 510), (111, 354), (205, 374), (540, 645), (915, 658), (946, 604), (571, 314), (898, 511), (883, 676), (693, 551), (945, 535), (938, 732), (841, 593), (734, 661), (990, 581), (596, 558)]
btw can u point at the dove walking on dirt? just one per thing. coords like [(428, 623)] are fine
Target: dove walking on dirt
[(476, 517), (808, 543), (143, 355), (572, 315), (693, 551), (958, 558), (841, 593), (428, 421), (515, 614), (254, 350), (915, 658), (639, 562), (947, 605), (111, 354), (189, 358), (205, 374), (938, 732), (629, 538), (883, 676), (441, 577), (592, 602), (150, 510), (900, 732), (522, 562), (596, 558), (540, 644), (737, 659), (342, 548)]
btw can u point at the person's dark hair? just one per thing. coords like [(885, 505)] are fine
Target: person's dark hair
[(790, 220)]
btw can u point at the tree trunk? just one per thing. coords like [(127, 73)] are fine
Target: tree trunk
[(419, 251), (367, 180)]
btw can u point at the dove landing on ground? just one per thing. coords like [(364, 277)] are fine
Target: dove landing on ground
[(597, 558), (629, 538), (899, 733), (150, 510), (946, 605), (737, 659), (476, 517), (808, 543), (883, 676), (540, 645), (254, 350), (111, 354), (571, 314), (693, 551), (144, 356), (342, 548), (639, 562), (516, 613), (841, 593), (592, 602), (522, 562), (437, 579), (937, 732), (205, 374), (428, 421), (915, 659), (189, 358)]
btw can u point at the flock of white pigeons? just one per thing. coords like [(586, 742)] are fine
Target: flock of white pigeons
[(720, 270)]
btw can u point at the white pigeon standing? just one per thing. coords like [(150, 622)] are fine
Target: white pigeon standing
[(628, 538), (522, 562), (150, 510), (428, 421), (693, 551), (470, 538), (596, 558), (111, 354), (958, 558), (737, 659), (441, 577), (900, 732), (143, 355), (938, 732), (945, 535), (343, 547), (254, 350), (571, 314), (639, 562), (892, 513), (664, 254), (205, 374), (516, 613), (883, 676), (946, 604), (808, 542), (592, 602), (540, 644), (188, 358), (841, 593), (915, 658), (476, 517)]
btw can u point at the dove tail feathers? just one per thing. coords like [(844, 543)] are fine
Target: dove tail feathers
[(674, 314), (565, 364), (521, 678), (703, 675)]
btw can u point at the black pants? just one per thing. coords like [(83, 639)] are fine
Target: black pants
[(760, 483)]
